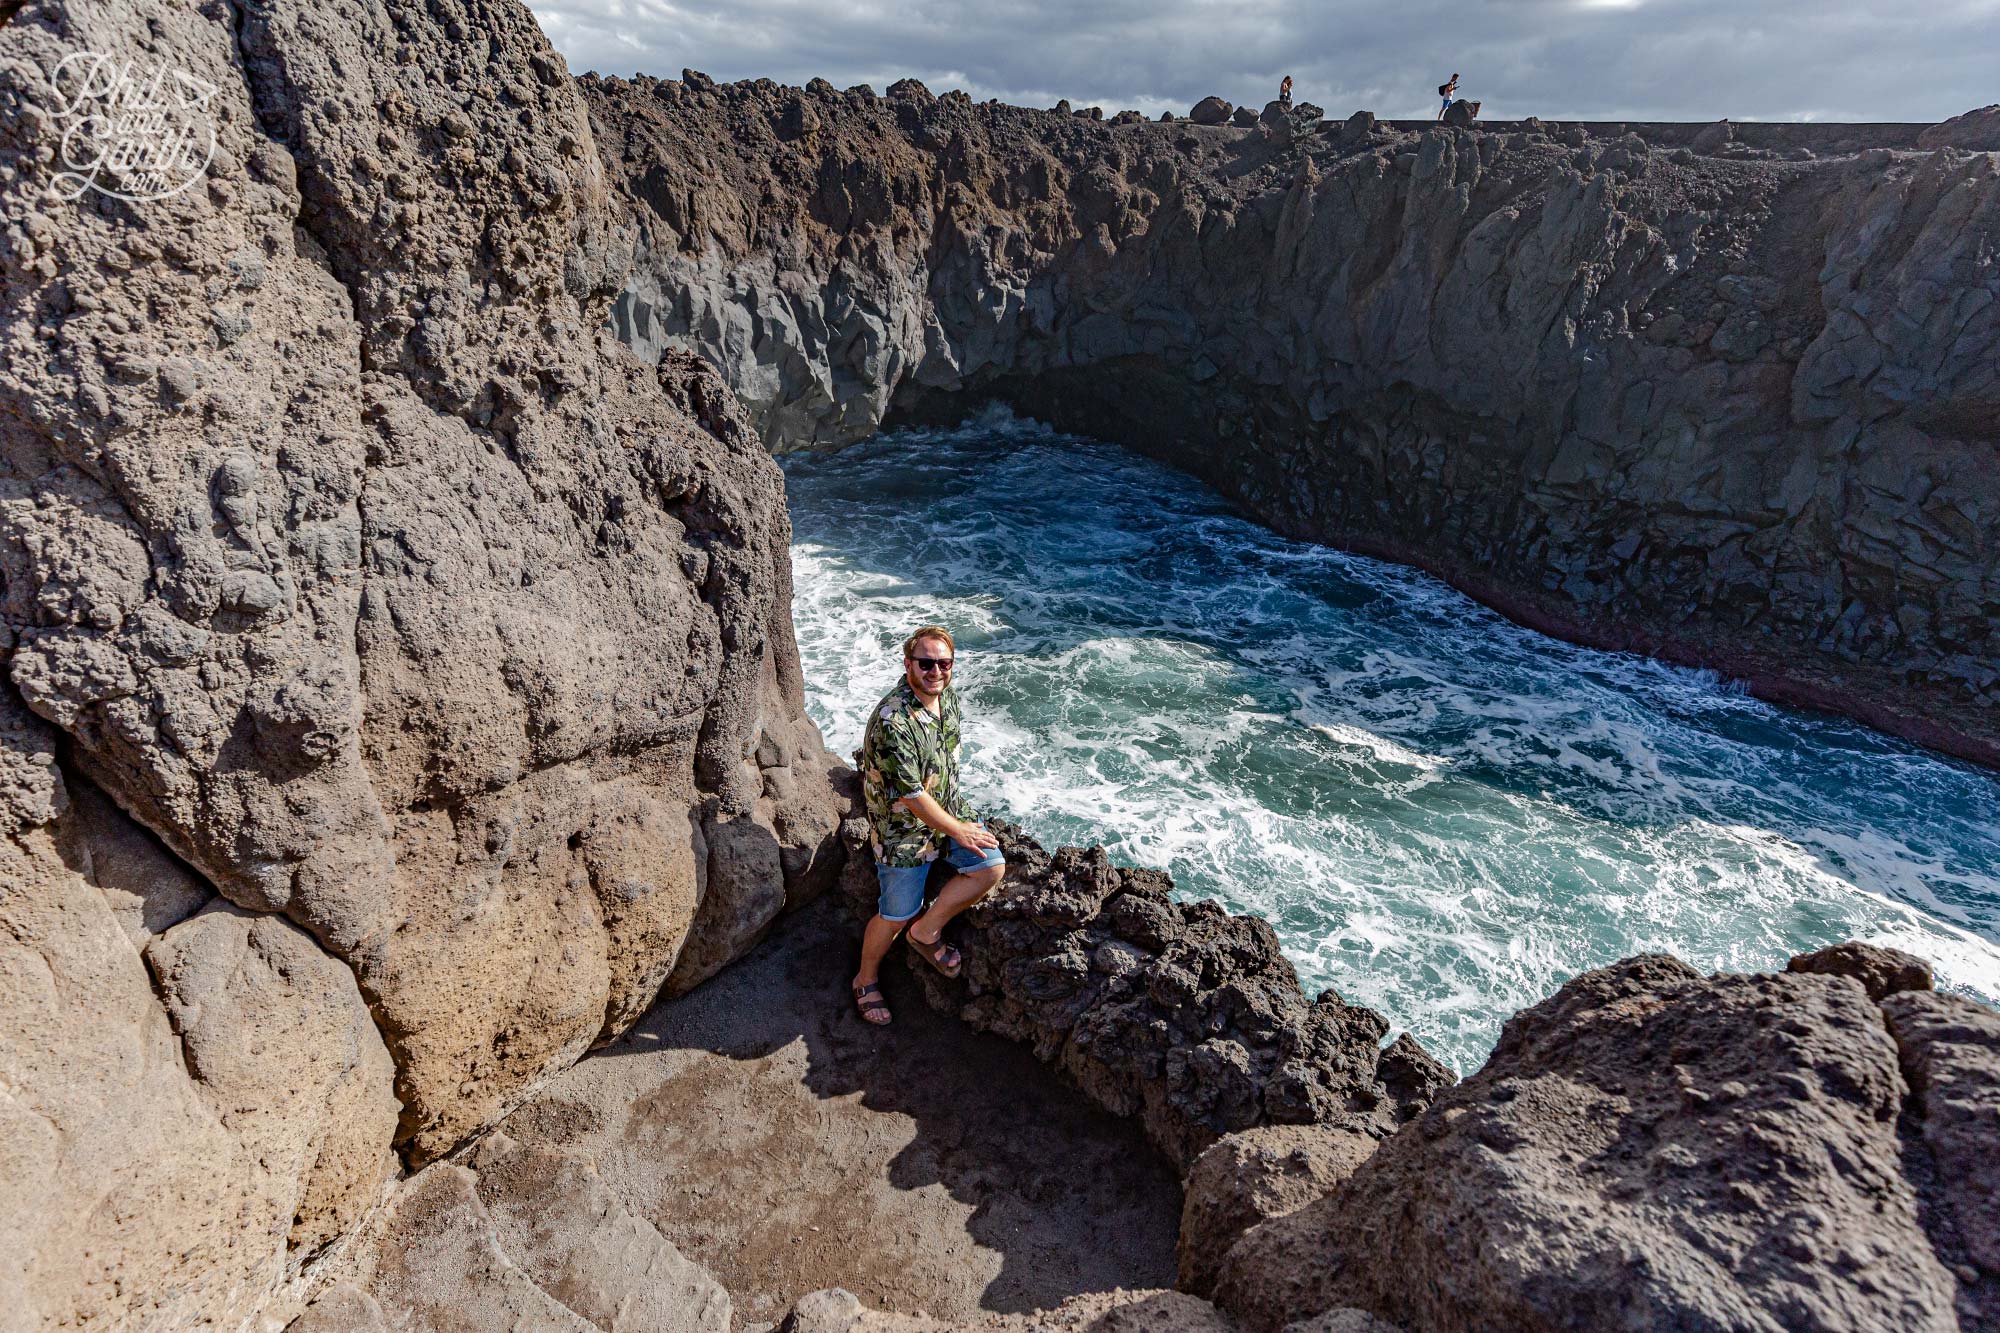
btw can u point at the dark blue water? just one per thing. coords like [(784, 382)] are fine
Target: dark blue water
[(1444, 815)]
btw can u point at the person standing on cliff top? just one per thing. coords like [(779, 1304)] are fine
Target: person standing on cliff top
[(1445, 90), (909, 780), (1285, 92)]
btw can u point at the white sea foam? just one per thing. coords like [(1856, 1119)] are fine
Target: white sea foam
[(1443, 815)]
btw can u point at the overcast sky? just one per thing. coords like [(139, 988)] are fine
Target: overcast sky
[(1560, 59)]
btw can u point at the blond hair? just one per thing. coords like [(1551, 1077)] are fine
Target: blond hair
[(928, 632)]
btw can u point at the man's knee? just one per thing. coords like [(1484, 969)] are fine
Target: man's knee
[(988, 876)]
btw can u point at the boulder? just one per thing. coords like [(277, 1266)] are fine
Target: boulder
[(909, 90), (1210, 111), (1244, 118), (1252, 1176), (1461, 114), (1714, 138), (1977, 131), (1882, 972), (478, 785), (1688, 1151), (197, 1105)]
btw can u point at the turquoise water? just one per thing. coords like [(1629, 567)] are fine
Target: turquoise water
[(1444, 815)]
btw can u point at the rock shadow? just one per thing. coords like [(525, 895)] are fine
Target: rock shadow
[(786, 1145)]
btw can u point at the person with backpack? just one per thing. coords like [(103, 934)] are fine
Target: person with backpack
[(1445, 90)]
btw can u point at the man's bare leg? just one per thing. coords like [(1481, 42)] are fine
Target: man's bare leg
[(962, 892), (875, 941)]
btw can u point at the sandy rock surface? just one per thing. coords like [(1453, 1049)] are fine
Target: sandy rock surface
[(771, 1137)]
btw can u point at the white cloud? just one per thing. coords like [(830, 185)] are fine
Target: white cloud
[(1921, 60)]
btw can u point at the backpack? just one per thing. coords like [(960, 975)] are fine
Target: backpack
[(1444, 90)]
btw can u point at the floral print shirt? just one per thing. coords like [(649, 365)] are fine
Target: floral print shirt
[(906, 750)]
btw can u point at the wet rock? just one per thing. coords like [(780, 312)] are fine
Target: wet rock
[(1881, 971)]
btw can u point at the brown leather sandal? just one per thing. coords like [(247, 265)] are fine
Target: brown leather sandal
[(874, 1009), (939, 955)]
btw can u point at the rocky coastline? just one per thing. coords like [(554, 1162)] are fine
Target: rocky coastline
[(1719, 394), (401, 695)]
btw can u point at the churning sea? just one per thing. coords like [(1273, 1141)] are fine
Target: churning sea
[(1444, 815)]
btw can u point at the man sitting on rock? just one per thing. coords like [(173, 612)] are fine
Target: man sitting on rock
[(909, 778)]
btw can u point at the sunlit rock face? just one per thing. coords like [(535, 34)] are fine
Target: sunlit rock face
[(1723, 394), (400, 685)]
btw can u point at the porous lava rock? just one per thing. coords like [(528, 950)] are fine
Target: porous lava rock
[(1975, 131), (1733, 405), (1685, 1151), (1210, 111), (1951, 1057), (1179, 1015), (1881, 971), (1252, 1176), (347, 554)]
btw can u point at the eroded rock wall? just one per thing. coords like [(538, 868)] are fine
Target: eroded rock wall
[(440, 647), (1729, 402)]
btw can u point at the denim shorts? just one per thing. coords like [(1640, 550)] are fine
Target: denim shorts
[(903, 886)]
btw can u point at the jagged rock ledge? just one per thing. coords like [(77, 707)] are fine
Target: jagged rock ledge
[(1177, 1014), (1726, 395)]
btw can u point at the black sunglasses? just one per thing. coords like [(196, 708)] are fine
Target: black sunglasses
[(932, 663)]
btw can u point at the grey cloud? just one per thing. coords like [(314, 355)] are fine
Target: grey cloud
[(1919, 60)]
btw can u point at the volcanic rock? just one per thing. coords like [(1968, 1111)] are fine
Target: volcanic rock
[(1461, 114), (1252, 1176), (1244, 118), (1882, 972), (1210, 111), (1977, 131), (349, 555), (1950, 1049), (1690, 1152), (1176, 1014), (518, 1238), (1715, 138)]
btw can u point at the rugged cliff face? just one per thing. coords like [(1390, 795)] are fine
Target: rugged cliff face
[(1724, 395), (399, 679)]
